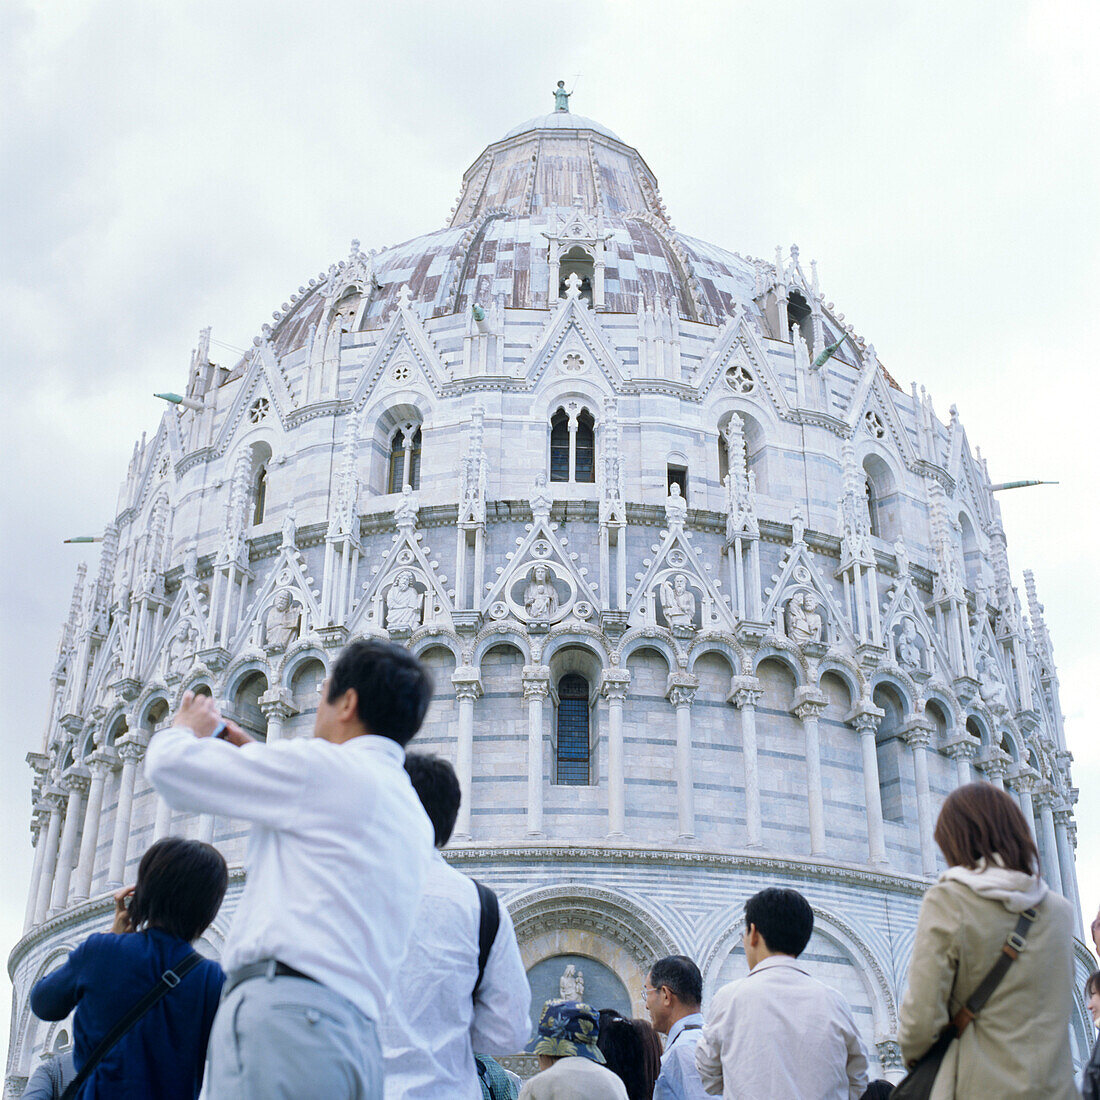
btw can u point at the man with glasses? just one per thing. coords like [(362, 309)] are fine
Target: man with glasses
[(672, 994)]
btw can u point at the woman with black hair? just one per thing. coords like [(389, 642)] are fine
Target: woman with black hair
[(631, 1049), (180, 886)]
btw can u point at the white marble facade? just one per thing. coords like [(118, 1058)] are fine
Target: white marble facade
[(558, 439)]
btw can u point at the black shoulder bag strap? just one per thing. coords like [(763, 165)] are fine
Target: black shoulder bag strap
[(920, 1079), (165, 983), (487, 930)]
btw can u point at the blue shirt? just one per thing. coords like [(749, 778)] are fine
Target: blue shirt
[(679, 1079), (163, 1054)]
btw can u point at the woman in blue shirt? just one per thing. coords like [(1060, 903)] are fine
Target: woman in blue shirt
[(180, 886)]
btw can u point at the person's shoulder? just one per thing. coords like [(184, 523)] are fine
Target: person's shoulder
[(1058, 909)]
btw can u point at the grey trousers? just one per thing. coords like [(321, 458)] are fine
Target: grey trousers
[(291, 1039)]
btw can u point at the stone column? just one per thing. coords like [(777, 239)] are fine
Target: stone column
[(162, 822), (54, 799), (75, 782), (994, 765), (918, 737), (101, 763), (1063, 817), (962, 750), (277, 707), (614, 686), (680, 692), (39, 817), (130, 751), (864, 719), (745, 694), (467, 689), (536, 687), (1048, 851), (1022, 783), (808, 708)]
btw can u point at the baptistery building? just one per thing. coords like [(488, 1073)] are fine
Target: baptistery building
[(711, 601)]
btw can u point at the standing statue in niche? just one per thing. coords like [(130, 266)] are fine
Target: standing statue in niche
[(798, 527), (571, 984), (909, 644), (408, 508), (541, 500), (804, 622), (403, 604), (290, 529), (282, 622), (540, 597), (678, 602), (901, 555), (676, 508)]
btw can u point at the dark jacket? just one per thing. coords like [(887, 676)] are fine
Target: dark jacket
[(163, 1054)]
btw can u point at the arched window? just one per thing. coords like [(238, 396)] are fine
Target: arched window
[(800, 317), (873, 508), (573, 447), (404, 459), (585, 465), (559, 446), (259, 493), (573, 731), (577, 262)]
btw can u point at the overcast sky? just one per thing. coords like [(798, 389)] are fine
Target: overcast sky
[(166, 167)]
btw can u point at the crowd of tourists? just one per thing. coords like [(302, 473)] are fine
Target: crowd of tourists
[(359, 964)]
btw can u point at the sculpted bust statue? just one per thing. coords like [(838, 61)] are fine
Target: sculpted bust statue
[(908, 645), (678, 601), (403, 604), (182, 646), (540, 597), (282, 621), (804, 623)]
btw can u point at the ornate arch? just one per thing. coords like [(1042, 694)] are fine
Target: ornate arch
[(659, 639), (500, 634), (600, 923), (297, 655), (786, 653), (582, 638), (841, 665), (431, 637), (725, 644)]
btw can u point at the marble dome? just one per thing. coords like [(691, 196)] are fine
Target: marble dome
[(711, 603)]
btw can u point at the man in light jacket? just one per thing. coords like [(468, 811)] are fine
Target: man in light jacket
[(337, 855), (435, 1022), (779, 1032)]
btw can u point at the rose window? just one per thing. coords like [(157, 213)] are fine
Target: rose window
[(259, 410), (740, 379), (874, 424)]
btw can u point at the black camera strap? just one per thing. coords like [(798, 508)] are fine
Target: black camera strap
[(488, 925)]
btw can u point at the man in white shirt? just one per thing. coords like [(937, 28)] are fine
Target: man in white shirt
[(336, 860), (780, 1032), (435, 1020), (673, 995)]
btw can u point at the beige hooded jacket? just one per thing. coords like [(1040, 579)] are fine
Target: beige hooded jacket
[(1018, 1046)]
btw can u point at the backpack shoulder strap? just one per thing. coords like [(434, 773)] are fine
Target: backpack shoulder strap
[(488, 925), (165, 984)]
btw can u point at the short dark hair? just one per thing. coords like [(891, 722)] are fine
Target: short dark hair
[(180, 887), (680, 975), (393, 687), (978, 821), (1092, 984), (436, 786), (783, 917)]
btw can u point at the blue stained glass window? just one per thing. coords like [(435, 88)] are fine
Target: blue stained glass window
[(573, 731)]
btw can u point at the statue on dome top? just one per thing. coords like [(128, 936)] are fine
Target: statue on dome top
[(561, 97)]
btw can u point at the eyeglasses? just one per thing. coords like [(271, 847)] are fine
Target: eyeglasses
[(646, 992)]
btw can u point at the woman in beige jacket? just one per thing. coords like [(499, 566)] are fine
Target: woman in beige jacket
[(1018, 1045)]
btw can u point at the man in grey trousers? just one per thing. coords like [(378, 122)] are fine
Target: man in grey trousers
[(337, 855)]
